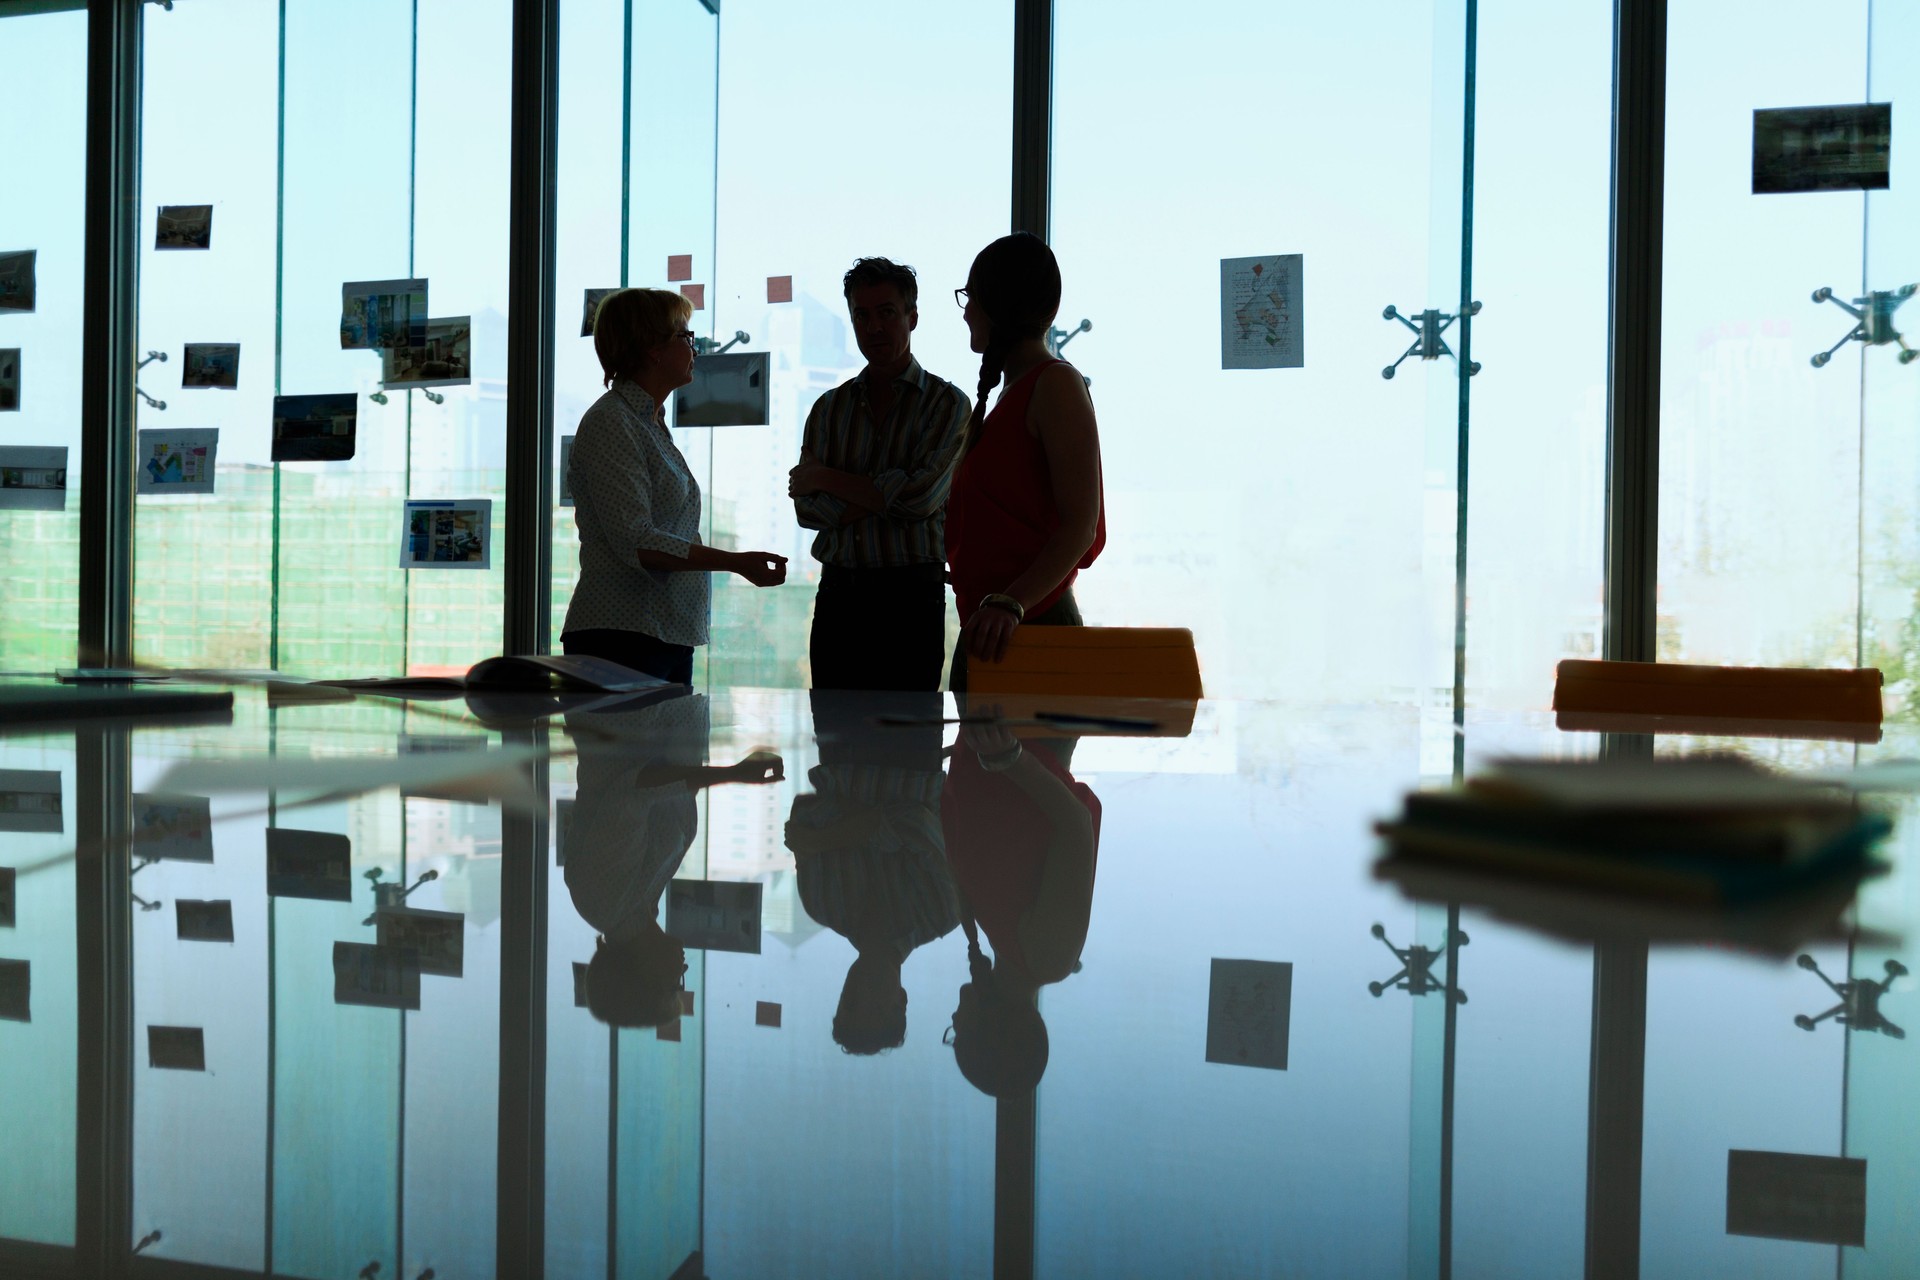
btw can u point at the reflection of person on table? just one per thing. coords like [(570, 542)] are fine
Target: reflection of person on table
[(634, 819), (871, 863), (643, 591), (1022, 838)]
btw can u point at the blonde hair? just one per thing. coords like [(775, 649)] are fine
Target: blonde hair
[(630, 322)]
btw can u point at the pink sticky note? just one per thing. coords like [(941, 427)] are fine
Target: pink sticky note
[(696, 294), (766, 1014), (779, 288), (679, 266), (667, 1030), (686, 1004)]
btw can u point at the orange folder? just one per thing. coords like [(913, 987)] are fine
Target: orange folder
[(1095, 671), (1672, 697)]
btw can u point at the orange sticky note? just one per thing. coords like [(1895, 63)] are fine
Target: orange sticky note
[(696, 294), (779, 288), (766, 1014), (679, 266), (668, 1030)]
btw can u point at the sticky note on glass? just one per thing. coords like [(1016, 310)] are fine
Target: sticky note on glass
[(696, 294), (686, 1004), (779, 288), (668, 1031), (766, 1014), (679, 266)]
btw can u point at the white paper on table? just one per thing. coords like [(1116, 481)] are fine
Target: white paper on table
[(497, 774), (1260, 313)]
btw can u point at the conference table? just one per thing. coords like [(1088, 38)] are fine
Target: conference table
[(308, 988)]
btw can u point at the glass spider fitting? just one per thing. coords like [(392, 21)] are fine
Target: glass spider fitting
[(1873, 316), (709, 347), (1416, 967), (152, 356), (1428, 343), (392, 893), (1859, 1007)]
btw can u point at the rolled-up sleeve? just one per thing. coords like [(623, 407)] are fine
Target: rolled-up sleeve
[(817, 510), (919, 489), (614, 475)]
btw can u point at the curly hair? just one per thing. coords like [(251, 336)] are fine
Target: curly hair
[(871, 271)]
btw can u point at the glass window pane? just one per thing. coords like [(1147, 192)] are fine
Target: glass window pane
[(43, 120)]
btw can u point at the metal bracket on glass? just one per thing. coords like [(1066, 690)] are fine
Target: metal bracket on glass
[(1859, 1007), (148, 1241), (152, 356), (392, 893), (1874, 316), (1428, 343), (380, 397), (1058, 338), (1416, 967), (709, 347)]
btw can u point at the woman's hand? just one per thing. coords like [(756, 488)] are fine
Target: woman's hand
[(759, 768), (987, 632), (761, 568)]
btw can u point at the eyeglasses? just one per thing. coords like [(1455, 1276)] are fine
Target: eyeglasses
[(960, 298), (687, 336), (947, 1037)]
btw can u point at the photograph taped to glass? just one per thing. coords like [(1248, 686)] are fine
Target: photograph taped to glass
[(383, 313), (315, 428)]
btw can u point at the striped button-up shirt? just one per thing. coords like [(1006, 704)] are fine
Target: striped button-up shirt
[(633, 491), (910, 457)]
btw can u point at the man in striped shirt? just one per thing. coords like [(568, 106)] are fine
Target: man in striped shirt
[(875, 466)]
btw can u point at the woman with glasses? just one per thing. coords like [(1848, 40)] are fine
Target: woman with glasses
[(642, 596), (1026, 513)]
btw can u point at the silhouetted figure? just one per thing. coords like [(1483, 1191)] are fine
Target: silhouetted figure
[(634, 819), (643, 592), (1023, 839), (870, 857), (1027, 511), (875, 466)]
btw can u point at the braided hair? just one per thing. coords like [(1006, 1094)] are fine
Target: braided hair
[(1015, 283)]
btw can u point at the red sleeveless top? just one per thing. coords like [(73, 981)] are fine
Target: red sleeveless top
[(1001, 509)]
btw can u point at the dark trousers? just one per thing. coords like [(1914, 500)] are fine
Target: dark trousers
[(1065, 612), (670, 662), (879, 628)]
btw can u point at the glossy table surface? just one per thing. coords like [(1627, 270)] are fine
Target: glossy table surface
[(1260, 1060)]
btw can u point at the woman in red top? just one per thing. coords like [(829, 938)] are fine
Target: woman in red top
[(1026, 512)]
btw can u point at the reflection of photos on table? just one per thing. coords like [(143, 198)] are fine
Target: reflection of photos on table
[(177, 461), (445, 359), (562, 830), (1249, 1009), (566, 471), (309, 864), (9, 378), (315, 428), (177, 1048), (715, 915), (172, 828), (731, 390), (381, 977), (6, 898), (383, 313), (16, 991), (454, 533), (30, 800), (436, 940), (33, 477), (199, 921), (184, 226), (592, 308), (211, 364), (16, 280)]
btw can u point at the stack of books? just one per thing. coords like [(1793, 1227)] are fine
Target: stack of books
[(1697, 831)]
